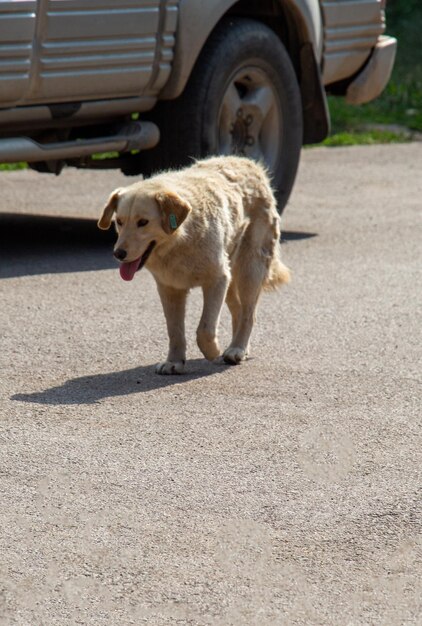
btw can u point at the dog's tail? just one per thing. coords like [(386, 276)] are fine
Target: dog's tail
[(278, 274)]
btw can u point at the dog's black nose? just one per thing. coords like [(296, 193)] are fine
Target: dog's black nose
[(120, 254)]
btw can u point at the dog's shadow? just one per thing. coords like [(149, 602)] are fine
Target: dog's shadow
[(92, 389)]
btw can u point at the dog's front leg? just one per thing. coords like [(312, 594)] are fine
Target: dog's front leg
[(214, 296), (174, 305)]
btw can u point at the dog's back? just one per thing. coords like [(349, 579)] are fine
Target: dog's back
[(246, 178)]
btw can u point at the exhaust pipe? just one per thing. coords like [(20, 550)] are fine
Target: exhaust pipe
[(134, 136)]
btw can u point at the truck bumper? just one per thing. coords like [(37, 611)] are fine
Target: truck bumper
[(374, 77)]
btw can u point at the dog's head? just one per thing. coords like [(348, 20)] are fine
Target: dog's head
[(143, 219)]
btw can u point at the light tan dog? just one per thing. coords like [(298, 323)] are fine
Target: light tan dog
[(213, 225)]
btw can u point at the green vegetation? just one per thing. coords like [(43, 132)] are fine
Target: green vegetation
[(401, 102), (364, 138), (8, 167)]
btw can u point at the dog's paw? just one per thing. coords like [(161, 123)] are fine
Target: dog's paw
[(233, 356), (170, 367)]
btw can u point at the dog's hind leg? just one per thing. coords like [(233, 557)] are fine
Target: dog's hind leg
[(214, 296), (174, 306), (251, 286), (250, 271)]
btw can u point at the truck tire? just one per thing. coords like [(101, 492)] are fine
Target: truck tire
[(242, 98)]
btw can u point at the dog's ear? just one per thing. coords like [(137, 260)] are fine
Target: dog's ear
[(105, 220), (174, 210)]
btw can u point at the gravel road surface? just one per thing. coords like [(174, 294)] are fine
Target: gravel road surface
[(286, 490)]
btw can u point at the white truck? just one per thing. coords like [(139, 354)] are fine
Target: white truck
[(154, 83)]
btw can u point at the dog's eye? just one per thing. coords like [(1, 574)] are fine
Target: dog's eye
[(119, 221), (141, 223)]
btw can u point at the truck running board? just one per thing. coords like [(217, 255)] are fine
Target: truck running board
[(134, 136)]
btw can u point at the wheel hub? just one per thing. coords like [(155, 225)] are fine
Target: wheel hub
[(240, 132), (250, 119)]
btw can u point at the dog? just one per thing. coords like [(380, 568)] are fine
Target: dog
[(212, 225)]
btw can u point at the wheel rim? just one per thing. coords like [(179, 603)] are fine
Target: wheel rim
[(250, 118)]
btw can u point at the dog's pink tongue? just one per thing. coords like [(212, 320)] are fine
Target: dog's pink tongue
[(127, 270)]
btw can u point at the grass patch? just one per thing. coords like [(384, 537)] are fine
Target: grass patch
[(103, 156), (11, 167), (363, 138)]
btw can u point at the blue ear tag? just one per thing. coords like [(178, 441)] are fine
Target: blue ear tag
[(173, 221)]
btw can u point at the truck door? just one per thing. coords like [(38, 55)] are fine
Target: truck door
[(93, 49), (64, 50)]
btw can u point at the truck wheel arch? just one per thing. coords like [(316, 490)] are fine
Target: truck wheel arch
[(192, 32)]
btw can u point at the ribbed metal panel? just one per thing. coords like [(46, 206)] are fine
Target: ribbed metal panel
[(76, 50), (97, 48), (17, 27), (166, 48), (351, 29)]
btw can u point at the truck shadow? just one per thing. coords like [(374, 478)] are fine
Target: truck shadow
[(39, 244), (93, 388)]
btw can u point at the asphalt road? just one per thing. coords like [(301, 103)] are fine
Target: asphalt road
[(286, 490)]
